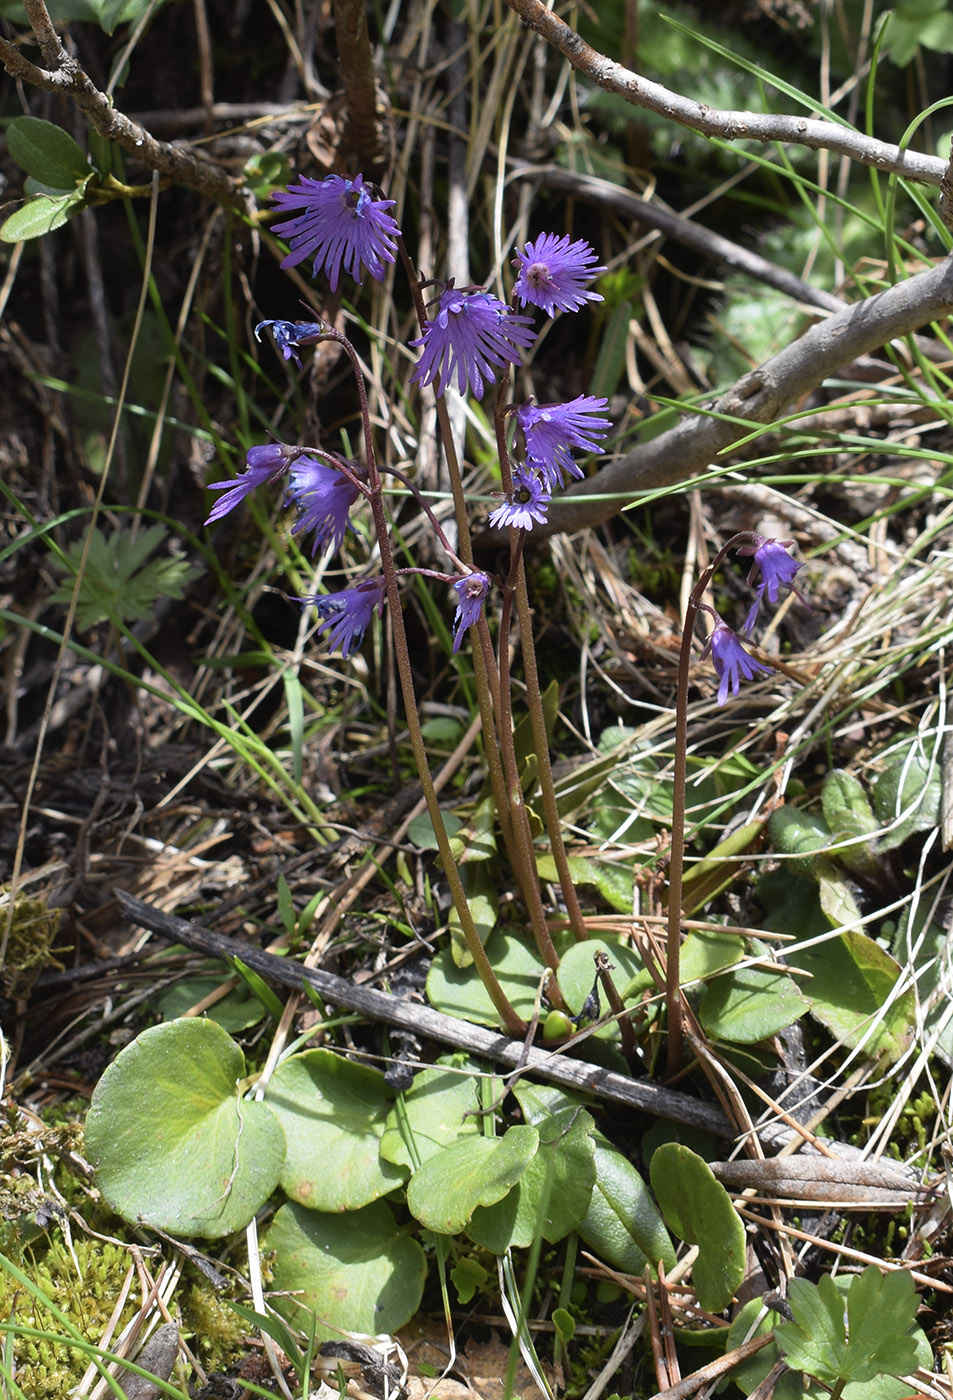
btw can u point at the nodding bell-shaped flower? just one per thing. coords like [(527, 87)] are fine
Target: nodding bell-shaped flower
[(347, 613), (471, 591), (554, 273), (777, 570), (470, 335), (731, 662), (343, 223), (291, 335), (263, 464), (526, 504)]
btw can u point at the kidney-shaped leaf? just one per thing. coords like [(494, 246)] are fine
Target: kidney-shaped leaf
[(333, 1114), (552, 1196), (699, 1209), (356, 1272), (447, 1189), (172, 1143), (436, 1111)]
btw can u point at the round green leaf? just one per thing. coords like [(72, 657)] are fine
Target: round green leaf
[(699, 1209), (447, 1189), (48, 153), (430, 1116), (552, 1196), (459, 992), (577, 974), (748, 1004), (172, 1143), (357, 1272), (235, 1011), (333, 1114)]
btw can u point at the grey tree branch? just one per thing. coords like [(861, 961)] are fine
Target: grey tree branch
[(711, 245), (64, 74), (642, 1094), (730, 126), (758, 397)]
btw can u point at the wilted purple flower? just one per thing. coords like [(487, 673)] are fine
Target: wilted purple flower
[(550, 430), (471, 594), (324, 497), (526, 503), (554, 273), (342, 223), (471, 335), (731, 662), (265, 463), (289, 335), (777, 570), (346, 614)]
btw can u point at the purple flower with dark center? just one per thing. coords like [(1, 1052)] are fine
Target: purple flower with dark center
[(343, 223), (471, 335), (262, 464), (554, 273), (731, 662), (346, 614), (323, 497), (550, 430), (290, 335), (471, 593), (777, 569), (526, 503)]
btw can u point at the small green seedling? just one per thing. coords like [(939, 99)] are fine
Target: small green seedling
[(837, 1343)]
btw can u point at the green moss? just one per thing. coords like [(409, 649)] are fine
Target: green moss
[(47, 1370), (30, 944), (217, 1332)]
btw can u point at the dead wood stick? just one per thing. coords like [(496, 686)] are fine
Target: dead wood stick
[(641, 1094)]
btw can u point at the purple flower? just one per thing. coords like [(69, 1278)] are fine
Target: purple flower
[(262, 464), (550, 430), (346, 614), (777, 570), (731, 662), (289, 335), (471, 593), (324, 497), (342, 223), (527, 502), (554, 273), (471, 334)]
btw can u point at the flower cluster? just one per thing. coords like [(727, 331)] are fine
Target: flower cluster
[(772, 569), (467, 337)]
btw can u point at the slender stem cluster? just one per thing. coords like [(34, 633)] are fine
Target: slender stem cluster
[(468, 339)]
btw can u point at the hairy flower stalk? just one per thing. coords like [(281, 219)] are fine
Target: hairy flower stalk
[(468, 339), (534, 699), (732, 665)]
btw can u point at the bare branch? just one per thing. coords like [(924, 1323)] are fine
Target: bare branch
[(65, 75), (711, 245), (758, 397), (730, 126)]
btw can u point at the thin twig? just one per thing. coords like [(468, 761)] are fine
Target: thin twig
[(64, 74), (728, 126), (760, 396)]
